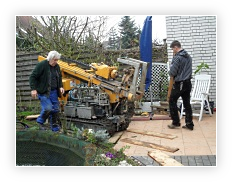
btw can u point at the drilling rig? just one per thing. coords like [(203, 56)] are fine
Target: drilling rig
[(97, 96)]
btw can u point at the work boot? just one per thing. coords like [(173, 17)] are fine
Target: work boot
[(55, 127), (53, 120), (187, 127), (172, 126)]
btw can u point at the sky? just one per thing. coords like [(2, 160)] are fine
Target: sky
[(158, 24)]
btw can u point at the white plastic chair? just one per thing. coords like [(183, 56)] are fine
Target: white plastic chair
[(199, 94)]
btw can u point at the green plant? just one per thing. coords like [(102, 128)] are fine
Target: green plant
[(105, 155), (201, 66), (22, 115), (111, 157), (89, 135)]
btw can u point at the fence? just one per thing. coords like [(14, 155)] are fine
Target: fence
[(25, 63), (159, 82)]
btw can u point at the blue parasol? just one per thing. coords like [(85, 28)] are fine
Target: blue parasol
[(146, 48)]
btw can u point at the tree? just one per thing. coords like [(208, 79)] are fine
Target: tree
[(113, 39), (129, 33), (23, 43), (66, 34)]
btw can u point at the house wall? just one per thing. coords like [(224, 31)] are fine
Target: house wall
[(197, 35)]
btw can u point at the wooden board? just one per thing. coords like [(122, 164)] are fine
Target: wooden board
[(116, 137), (146, 118), (170, 88), (163, 159), (151, 133), (164, 103), (32, 117), (150, 145)]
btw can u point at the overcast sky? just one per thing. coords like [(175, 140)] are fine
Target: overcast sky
[(158, 24)]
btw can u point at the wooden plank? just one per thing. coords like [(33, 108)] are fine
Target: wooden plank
[(27, 98), (24, 73), (151, 133), (116, 137), (32, 117), (170, 88), (24, 83), (27, 63), (26, 68), (145, 118), (26, 53), (149, 145), (164, 103), (163, 159), (23, 93), (22, 78), (24, 88)]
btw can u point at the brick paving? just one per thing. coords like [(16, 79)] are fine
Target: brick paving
[(200, 160), (196, 148)]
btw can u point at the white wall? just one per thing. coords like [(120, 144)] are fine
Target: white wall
[(197, 35)]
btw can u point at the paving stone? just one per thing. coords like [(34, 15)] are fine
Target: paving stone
[(184, 159), (177, 157), (192, 164), (198, 157), (204, 157), (193, 160), (199, 160), (136, 157), (212, 156), (185, 163), (206, 163), (204, 160), (149, 159), (155, 163), (212, 159), (213, 163), (191, 157), (144, 160)]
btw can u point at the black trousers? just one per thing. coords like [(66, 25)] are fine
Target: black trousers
[(181, 89)]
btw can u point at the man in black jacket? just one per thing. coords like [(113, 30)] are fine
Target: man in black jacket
[(46, 83), (181, 71)]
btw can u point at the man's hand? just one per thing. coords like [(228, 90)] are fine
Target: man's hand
[(62, 90), (34, 94)]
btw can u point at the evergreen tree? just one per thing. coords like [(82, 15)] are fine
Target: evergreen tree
[(129, 33), (113, 39)]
